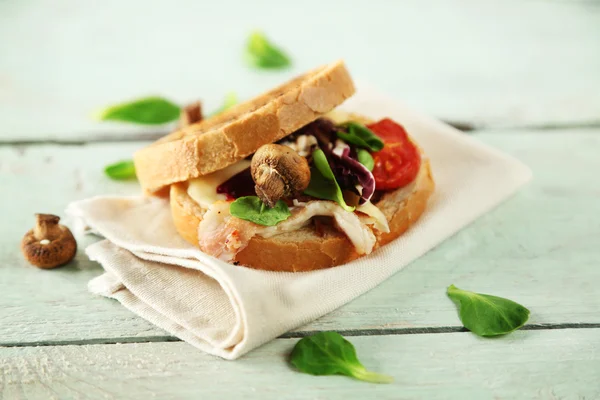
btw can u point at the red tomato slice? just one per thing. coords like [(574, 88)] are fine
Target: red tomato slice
[(398, 163)]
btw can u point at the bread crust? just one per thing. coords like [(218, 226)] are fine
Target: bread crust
[(307, 250), (215, 143)]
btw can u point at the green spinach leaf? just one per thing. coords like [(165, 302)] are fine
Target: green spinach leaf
[(251, 208), (230, 101), (322, 182), (365, 158), (328, 353), (121, 171), (147, 111), (487, 315), (261, 53), (360, 136)]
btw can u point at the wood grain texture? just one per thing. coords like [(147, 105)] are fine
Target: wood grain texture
[(492, 63), (539, 248), (524, 365)]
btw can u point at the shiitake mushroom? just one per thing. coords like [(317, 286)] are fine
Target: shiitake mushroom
[(48, 244)]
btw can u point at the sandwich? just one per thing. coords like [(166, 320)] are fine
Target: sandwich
[(285, 182)]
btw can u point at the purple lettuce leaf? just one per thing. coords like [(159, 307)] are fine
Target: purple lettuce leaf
[(349, 173)]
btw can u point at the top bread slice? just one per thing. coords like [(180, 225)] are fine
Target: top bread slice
[(215, 143)]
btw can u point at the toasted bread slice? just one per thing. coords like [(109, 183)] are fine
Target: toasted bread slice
[(215, 143)]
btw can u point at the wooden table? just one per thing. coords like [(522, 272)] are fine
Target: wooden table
[(523, 76)]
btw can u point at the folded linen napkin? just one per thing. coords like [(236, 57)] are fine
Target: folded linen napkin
[(228, 310)]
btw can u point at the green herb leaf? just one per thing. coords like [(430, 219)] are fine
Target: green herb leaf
[(251, 208), (328, 353), (148, 111), (365, 158), (487, 315), (230, 101), (322, 182), (261, 53), (122, 170), (360, 136)]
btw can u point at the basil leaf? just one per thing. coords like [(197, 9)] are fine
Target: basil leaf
[(487, 315), (121, 170), (261, 53), (322, 182), (365, 158), (328, 353), (230, 101), (148, 111), (360, 136), (251, 208)]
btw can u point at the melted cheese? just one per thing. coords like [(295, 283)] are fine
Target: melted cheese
[(204, 189)]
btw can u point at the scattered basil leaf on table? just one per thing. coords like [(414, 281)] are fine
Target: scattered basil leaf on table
[(328, 353), (251, 208), (487, 315), (365, 158), (322, 182), (148, 111), (230, 101), (360, 136), (121, 170), (261, 53)]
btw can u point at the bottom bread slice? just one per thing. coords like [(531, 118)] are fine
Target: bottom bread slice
[(306, 249)]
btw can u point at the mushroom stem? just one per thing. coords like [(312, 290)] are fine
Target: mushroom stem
[(47, 227), (190, 114)]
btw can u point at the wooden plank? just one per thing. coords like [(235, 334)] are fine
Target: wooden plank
[(535, 364), (508, 63), (39, 305), (540, 248)]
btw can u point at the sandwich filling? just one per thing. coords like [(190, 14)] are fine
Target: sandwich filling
[(351, 166)]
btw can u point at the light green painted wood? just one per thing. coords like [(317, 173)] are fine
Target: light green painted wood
[(494, 62), (55, 305), (540, 248), (561, 364)]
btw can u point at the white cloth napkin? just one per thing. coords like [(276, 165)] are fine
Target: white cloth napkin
[(229, 310)]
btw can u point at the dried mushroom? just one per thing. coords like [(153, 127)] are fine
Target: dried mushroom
[(48, 244), (278, 172)]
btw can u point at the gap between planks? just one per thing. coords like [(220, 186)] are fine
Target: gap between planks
[(298, 334), (151, 136)]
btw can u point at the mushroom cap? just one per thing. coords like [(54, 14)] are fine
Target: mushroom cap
[(57, 252), (278, 171)]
